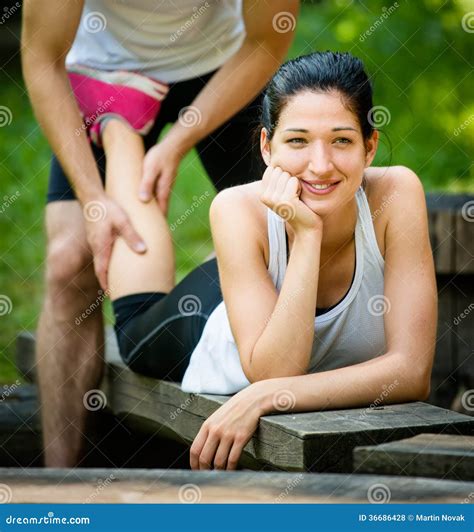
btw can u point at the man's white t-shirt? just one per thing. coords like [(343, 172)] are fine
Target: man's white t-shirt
[(164, 39)]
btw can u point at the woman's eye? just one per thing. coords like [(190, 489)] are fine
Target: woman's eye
[(343, 140), (297, 140)]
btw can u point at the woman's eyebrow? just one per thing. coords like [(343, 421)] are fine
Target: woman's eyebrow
[(343, 128), (340, 128), (297, 130)]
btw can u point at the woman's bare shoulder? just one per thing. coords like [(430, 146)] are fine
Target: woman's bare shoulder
[(242, 198), (386, 189), (238, 215)]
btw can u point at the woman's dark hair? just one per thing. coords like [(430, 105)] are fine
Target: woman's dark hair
[(319, 72)]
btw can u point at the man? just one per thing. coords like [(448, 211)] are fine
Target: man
[(216, 58)]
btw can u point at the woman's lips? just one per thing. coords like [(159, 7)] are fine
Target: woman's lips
[(320, 192)]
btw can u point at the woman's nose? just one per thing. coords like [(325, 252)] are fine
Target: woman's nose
[(320, 162)]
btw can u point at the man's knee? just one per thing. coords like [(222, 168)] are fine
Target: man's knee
[(71, 284)]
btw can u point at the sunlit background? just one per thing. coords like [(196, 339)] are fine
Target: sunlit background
[(419, 55)]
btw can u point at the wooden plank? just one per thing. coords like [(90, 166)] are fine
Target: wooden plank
[(451, 231), (20, 430), (465, 240), (463, 329), (315, 441), (175, 486), (25, 355), (445, 251), (425, 455)]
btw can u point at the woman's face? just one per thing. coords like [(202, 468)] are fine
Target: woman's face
[(319, 140)]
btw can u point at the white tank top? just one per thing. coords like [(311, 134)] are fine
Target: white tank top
[(349, 333), (170, 40)]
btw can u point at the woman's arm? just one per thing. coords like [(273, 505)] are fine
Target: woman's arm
[(402, 374), (274, 332)]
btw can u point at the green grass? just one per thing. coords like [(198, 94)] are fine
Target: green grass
[(419, 58)]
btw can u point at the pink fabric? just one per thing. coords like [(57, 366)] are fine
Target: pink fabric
[(127, 95)]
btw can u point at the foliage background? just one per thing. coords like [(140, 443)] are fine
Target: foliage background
[(419, 56)]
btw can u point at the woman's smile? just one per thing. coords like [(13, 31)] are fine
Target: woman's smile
[(319, 189)]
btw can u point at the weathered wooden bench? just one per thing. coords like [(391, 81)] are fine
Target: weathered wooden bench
[(317, 441), (425, 455), (174, 486), (451, 225)]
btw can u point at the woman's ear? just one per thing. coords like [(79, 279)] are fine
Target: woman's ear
[(371, 147), (265, 146)]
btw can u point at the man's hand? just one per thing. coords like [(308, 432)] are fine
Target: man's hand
[(160, 167), (105, 221)]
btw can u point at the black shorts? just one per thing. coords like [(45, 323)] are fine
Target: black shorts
[(157, 332), (230, 155)]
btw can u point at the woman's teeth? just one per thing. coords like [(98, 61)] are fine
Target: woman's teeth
[(322, 187)]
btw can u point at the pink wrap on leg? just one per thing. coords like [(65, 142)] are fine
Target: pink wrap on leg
[(129, 96)]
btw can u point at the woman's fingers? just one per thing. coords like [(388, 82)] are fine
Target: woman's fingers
[(239, 443), (206, 458), (196, 447), (222, 454), (281, 182)]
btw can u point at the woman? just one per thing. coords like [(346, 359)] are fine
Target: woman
[(325, 268)]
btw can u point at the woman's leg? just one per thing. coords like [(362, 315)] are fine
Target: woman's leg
[(129, 272)]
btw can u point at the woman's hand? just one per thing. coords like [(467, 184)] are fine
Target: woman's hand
[(225, 433), (281, 193), (160, 167)]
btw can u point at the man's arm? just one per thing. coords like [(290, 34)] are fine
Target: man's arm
[(49, 28), (232, 87), (48, 31)]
